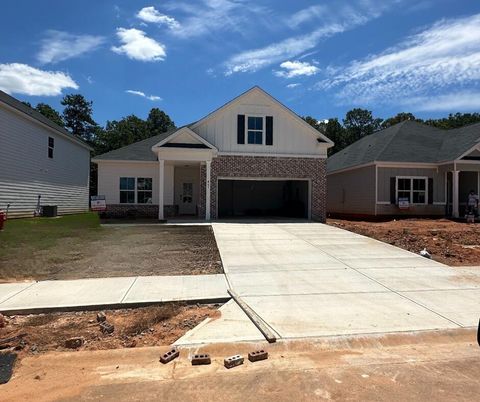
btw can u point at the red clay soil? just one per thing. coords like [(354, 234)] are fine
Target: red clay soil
[(451, 243), (146, 326)]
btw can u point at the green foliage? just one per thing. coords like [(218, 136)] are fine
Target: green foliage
[(78, 117), (455, 120), (337, 133), (360, 123), (159, 122), (398, 119), (50, 113)]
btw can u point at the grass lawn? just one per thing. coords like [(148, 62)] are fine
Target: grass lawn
[(77, 246)]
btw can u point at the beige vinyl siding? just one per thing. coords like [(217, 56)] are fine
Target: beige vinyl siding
[(109, 174), (289, 135), (352, 192), (384, 175), (26, 171)]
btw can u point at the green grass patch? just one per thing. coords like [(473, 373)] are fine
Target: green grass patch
[(22, 235)]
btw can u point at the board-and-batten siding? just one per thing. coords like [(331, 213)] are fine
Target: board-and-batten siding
[(352, 192), (289, 135), (109, 174), (26, 171)]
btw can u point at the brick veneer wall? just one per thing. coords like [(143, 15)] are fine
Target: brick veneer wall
[(267, 166), (139, 210)]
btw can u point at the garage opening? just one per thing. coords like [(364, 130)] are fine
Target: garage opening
[(263, 198)]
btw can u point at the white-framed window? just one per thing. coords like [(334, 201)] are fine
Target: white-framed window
[(135, 190), (415, 189), (255, 130), (127, 190), (144, 190)]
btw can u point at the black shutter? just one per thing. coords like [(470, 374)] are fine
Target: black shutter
[(430, 190), (241, 129), (393, 190), (269, 130)]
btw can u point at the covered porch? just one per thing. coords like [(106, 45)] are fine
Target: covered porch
[(462, 177), (184, 170)]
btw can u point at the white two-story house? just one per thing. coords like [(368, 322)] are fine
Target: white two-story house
[(251, 157), (40, 163)]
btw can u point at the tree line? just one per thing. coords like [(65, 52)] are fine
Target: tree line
[(359, 123), (77, 118)]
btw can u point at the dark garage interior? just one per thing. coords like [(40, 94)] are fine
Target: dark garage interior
[(258, 198)]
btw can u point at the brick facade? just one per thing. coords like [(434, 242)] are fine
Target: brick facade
[(265, 167), (138, 211)]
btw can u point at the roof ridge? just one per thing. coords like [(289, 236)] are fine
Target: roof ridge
[(398, 126)]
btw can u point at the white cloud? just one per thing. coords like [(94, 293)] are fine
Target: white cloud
[(293, 69), (453, 102), (306, 15), (433, 61), (58, 46), (342, 18), (209, 16), (150, 14), (294, 85), (137, 46), (144, 95), (23, 79)]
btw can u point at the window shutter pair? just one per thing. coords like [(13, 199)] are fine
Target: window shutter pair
[(241, 129)]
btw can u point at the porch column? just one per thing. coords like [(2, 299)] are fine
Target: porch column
[(207, 189), (455, 211), (161, 179)]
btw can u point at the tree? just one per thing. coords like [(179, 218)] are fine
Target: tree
[(159, 122), (398, 119), (455, 120), (337, 133), (50, 113), (360, 123), (78, 117), (120, 133)]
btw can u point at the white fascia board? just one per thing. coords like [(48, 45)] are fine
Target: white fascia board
[(181, 131)]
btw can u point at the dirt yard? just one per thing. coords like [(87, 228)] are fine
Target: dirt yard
[(451, 243), (41, 249), (147, 326), (433, 366)]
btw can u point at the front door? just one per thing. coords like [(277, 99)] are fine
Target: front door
[(186, 205)]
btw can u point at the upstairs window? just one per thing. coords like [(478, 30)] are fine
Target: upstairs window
[(144, 190), (51, 145), (255, 130), (127, 190)]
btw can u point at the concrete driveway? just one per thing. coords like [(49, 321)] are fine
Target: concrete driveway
[(310, 280)]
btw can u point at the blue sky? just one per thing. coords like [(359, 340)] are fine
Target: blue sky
[(320, 58)]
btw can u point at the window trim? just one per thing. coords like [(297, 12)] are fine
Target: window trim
[(411, 178), (135, 190), (247, 130)]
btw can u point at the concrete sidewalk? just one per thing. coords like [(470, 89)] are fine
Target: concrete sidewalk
[(32, 297), (313, 280)]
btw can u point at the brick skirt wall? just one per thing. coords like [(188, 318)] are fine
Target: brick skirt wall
[(313, 169), (138, 211)]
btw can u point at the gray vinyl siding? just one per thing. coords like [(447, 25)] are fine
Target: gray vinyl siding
[(352, 192), (26, 171), (384, 175)]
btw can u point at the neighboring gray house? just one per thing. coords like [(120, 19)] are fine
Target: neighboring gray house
[(433, 169), (37, 157), (251, 157)]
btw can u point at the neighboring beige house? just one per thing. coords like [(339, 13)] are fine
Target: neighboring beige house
[(40, 158), (432, 169), (251, 157)]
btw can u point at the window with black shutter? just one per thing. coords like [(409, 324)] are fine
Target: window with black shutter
[(51, 146), (269, 130), (241, 129)]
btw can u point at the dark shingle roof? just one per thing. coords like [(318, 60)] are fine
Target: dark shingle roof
[(138, 151), (16, 104), (407, 141)]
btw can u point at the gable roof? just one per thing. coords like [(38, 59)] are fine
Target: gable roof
[(184, 130), (408, 141), (138, 151), (21, 107), (256, 88)]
